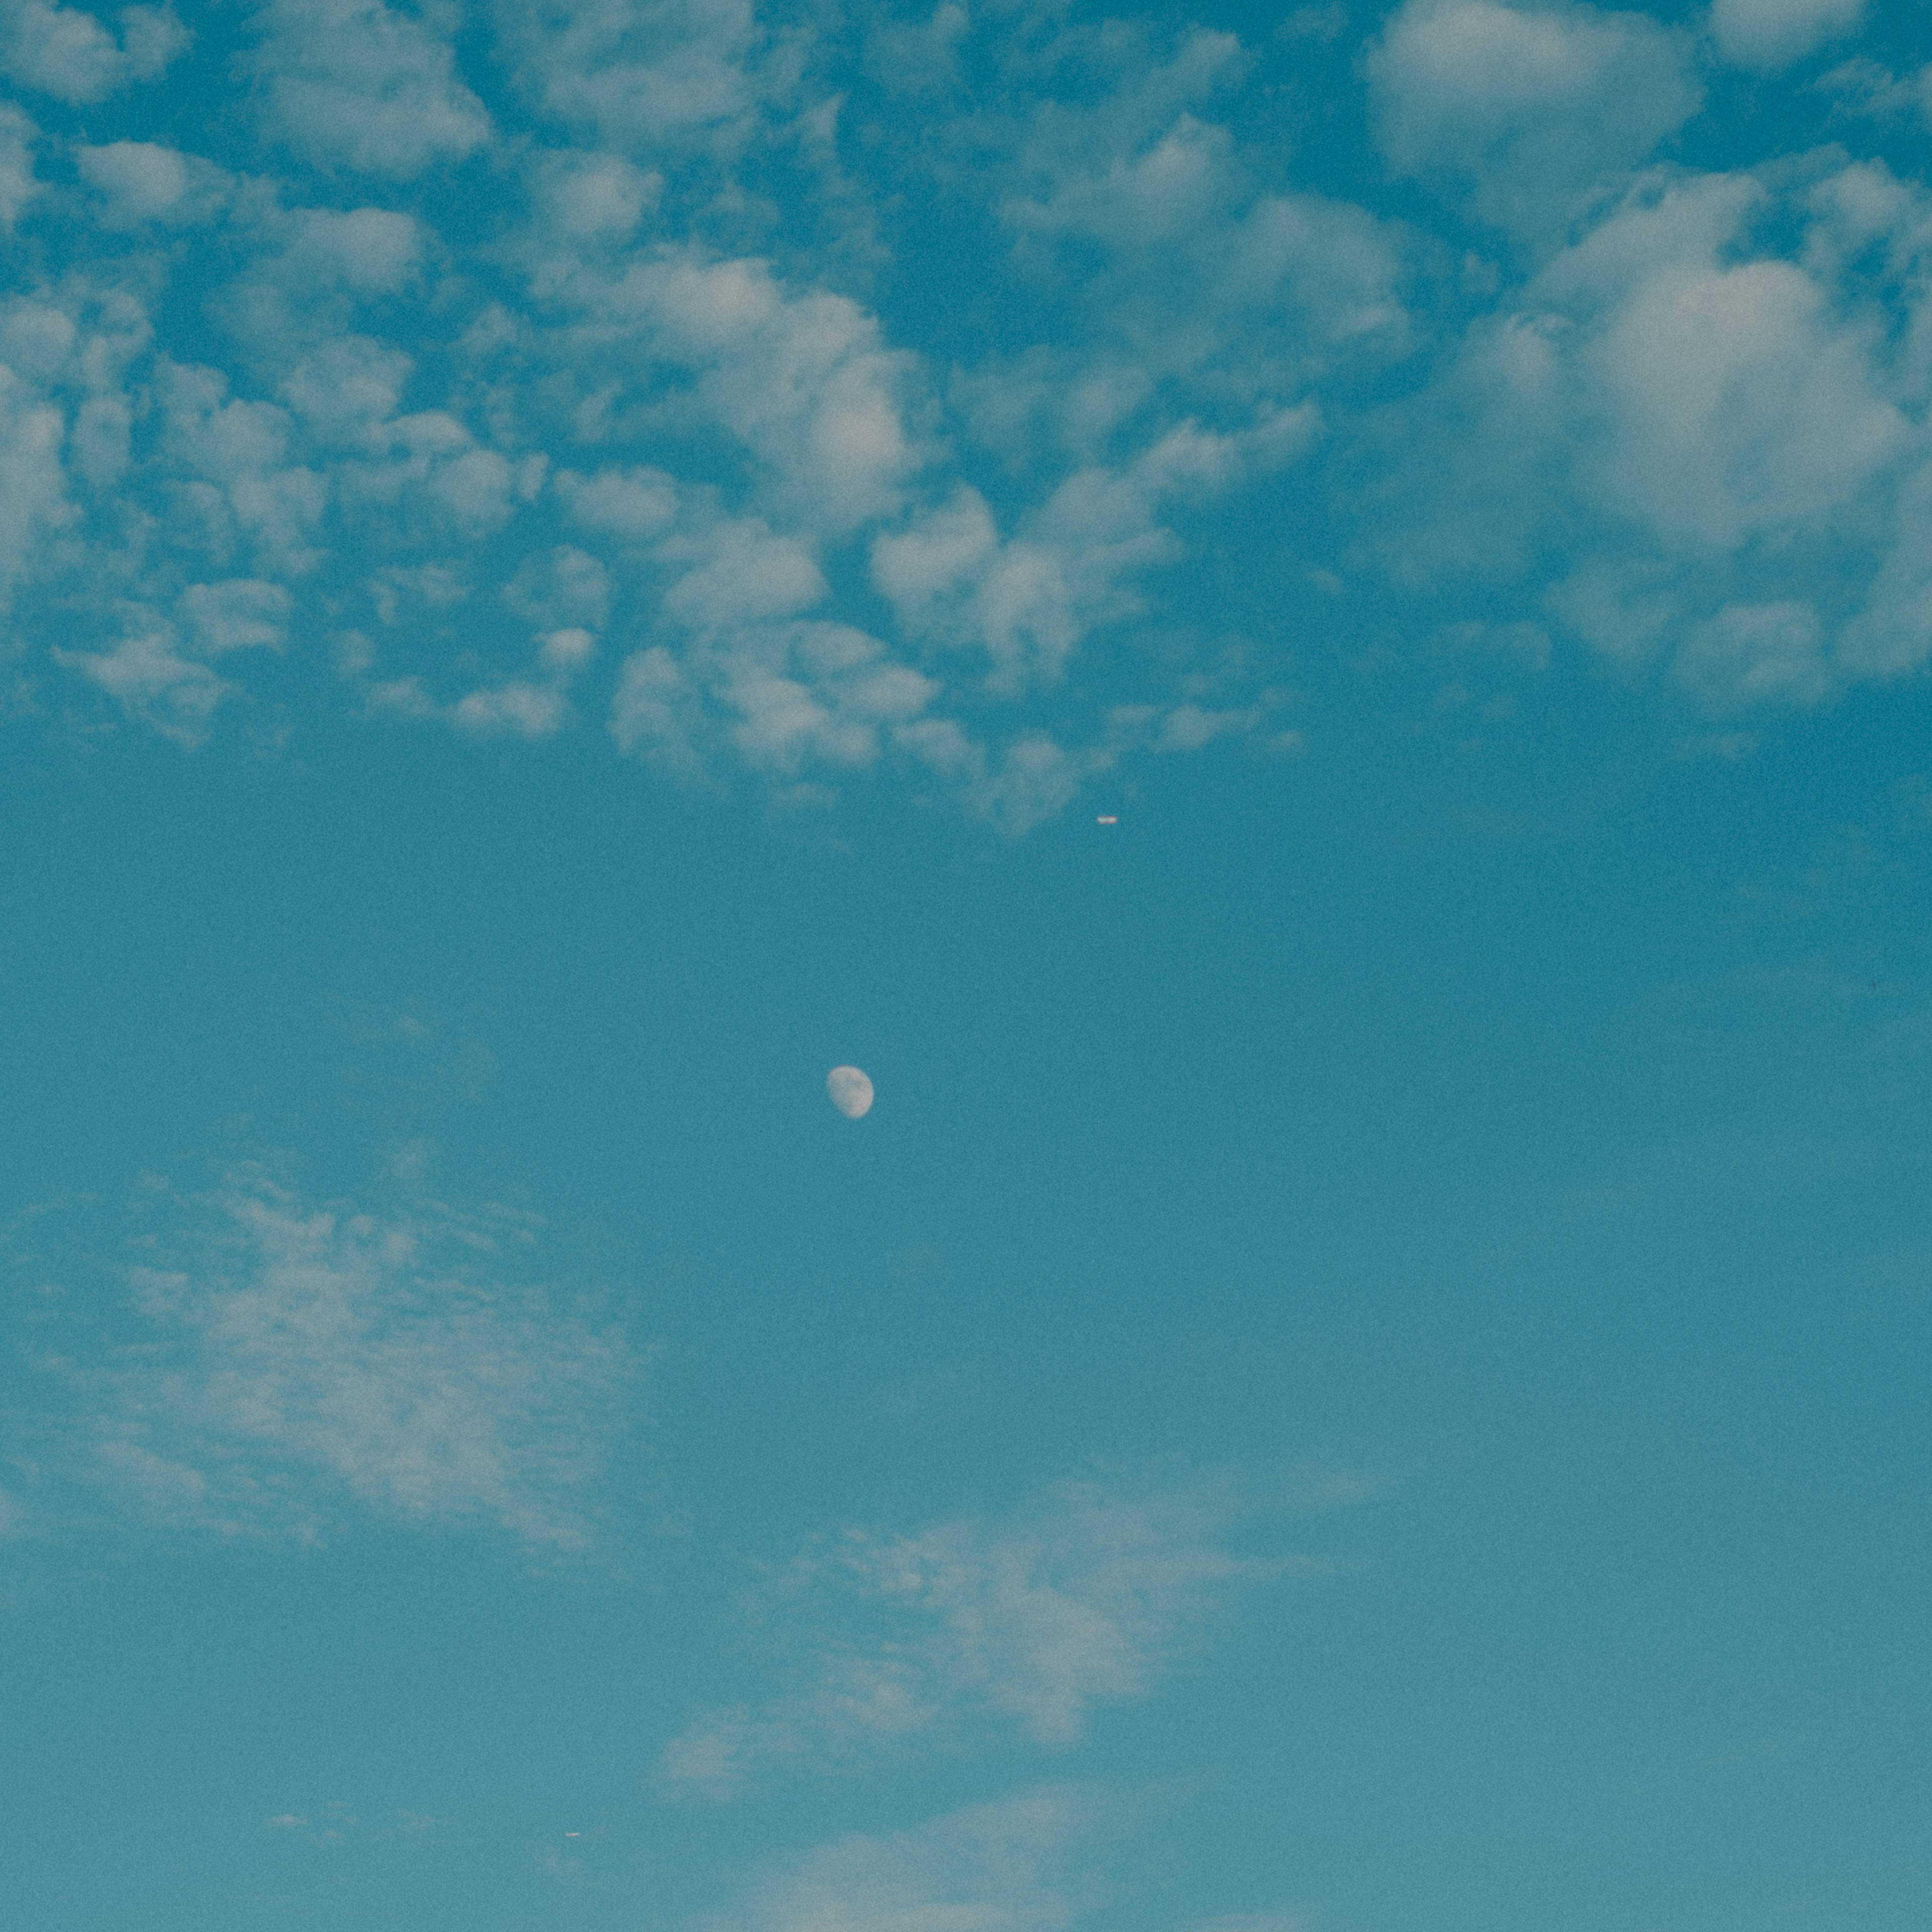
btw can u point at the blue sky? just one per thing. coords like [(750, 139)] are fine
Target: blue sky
[(1305, 631)]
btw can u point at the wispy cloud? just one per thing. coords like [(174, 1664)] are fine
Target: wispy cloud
[(298, 1362), (998, 1868), (1024, 1863), (1086, 1598)]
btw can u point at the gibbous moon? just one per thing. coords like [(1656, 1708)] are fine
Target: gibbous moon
[(851, 1092)]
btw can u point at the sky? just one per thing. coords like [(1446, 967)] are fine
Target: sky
[(1305, 631)]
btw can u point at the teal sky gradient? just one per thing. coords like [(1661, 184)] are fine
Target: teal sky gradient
[(1367, 1371)]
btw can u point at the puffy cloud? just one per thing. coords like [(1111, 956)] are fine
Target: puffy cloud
[(369, 251), (1529, 108), (33, 485), (1026, 602), (1892, 632), (801, 378), (68, 53), (592, 198), (147, 675), (239, 449), (356, 84), (1768, 34), (564, 586), (1748, 652), (1695, 419), (302, 1359), (648, 71), (631, 502), (17, 184), (1732, 398), (1082, 1600), (142, 182)]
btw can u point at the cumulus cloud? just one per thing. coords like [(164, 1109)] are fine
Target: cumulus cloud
[(300, 1361), (1768, 35), (357, 84), (1085, 1599), (1528, 108), (67, 52), (17, 184), (1747, 652), (801, 377), (792, 432), (1729, 396), (1697, 403), (33, 489), (142, 182), (644, 71)]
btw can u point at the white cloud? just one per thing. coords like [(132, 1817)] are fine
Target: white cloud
[(515, 710), (1862, 86), (594, 198), (302, 1359), (142, 182), (33, 491), (1085, 1599), (1768, 35), (648, 71), (357, 84), (17, 184), (148, 675), (1892, 632), (157, 675), (368, 250), (1749, 652), (1027, 602), (1697, 420), (1734, 399), (565, 586), (998, 1868), (630, 502), (1530, 108), (242, 612), (67, 52), (239, 449), (801, 378)]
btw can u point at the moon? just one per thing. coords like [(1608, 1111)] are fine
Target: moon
[(850, 1091)]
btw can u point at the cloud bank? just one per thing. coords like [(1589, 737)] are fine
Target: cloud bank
[(615, 375), (294, 1366)]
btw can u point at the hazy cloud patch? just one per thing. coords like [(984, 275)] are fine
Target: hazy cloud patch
[(297, 1362)]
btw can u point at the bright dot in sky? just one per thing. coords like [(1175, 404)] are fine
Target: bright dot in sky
[(851, 1092)]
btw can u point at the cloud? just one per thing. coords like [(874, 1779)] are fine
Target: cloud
[(997, 1868), (651, 72), (142, 182), (1528, 108), (1749, 652), (300, 1361), (148, 675), (68, 53), (1085, 1598), (33, 487), (17, 184), (1703, 410), (159, 672), (1027, 602), (801, 377), (1768, 35), (356, 84), (819, 408)]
